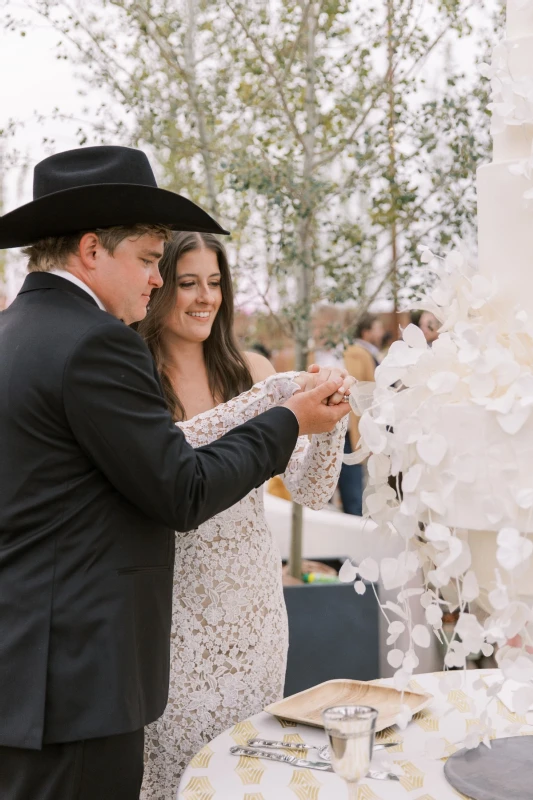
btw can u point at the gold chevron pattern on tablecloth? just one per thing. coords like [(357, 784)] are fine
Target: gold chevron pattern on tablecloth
[(250, 770), (213, 774), (305, 784), (198, 789), (242, 732), (201, 760)]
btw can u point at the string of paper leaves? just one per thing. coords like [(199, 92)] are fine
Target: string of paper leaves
[(483, 360)]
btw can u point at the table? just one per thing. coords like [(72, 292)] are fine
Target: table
[(214, 774)]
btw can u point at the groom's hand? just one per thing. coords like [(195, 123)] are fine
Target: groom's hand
[(316, 376), (311, 409)]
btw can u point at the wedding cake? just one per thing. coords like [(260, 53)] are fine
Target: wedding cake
[(448, 430), (499, 493), (505, 215)]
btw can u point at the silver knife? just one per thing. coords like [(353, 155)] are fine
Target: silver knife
[(293, 761), (271, 743)]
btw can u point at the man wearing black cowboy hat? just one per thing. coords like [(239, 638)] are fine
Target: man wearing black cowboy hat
[(95, 478)]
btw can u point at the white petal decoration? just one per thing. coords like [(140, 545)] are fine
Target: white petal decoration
[(414, 337), (405, 525), (390, 606), (376, 501), (433, 501), (371, 434), (421, 636), (523, 700), (470, 587), (357, 457), (443, 382), (436, 532), (432, 449), (395, 658), (396, 627), (412, 477), (513, 549), (481, 385), (524, 498), (404, 717), (348, 572), (515, 420), (360, 587), (369, 570), (434, 615), (378, 466), (401, 680)]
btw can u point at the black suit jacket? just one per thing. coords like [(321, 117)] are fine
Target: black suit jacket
[(94, 480)]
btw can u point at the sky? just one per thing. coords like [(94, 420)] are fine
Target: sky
[(33, 80)]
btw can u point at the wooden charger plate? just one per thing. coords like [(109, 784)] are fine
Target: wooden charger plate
[(306, 707)]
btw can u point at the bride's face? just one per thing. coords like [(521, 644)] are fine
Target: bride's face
[(198, 296)]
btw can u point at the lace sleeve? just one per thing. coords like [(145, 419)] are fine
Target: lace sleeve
[(211, 425), (313, 471)]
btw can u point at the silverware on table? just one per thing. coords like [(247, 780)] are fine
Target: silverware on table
[(323, 750), (294, 761)]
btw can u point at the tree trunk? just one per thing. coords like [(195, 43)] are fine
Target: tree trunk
[(305, 261), (203, 135), (392, 171)]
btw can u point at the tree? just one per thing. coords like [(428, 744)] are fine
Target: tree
[(332, 136)]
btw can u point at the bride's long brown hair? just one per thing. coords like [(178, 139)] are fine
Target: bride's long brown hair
[(227, 370)]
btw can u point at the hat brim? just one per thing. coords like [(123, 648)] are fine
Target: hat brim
[(102, 206)]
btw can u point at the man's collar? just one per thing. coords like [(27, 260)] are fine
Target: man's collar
[(46, 280), (68, 276)]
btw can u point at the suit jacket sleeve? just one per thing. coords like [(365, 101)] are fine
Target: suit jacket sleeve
[(116, 410)]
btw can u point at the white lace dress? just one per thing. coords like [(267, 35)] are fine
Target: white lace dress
[(229, 629)]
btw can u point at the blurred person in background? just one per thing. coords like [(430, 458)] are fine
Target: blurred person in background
[(428, 324), (360, 359)]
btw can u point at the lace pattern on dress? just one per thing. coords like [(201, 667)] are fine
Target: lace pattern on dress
[(229, 624)]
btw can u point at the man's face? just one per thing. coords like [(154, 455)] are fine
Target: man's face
[(124, 281)]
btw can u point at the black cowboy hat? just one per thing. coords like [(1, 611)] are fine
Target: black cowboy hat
[(98, 187)]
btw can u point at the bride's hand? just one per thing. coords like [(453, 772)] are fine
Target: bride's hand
[(316, 376)]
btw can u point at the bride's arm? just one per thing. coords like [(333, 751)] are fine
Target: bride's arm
[(313, 471), (210, 425)]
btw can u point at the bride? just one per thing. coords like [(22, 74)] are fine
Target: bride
[(229, 634)]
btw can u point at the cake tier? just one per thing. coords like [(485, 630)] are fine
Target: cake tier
[(513, 141), (483, 548), (499, 467), (519, 18), (505, 235)]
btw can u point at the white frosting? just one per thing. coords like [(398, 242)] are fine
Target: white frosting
[(519, 18), (512, 107), (504, 465), (505, 234)]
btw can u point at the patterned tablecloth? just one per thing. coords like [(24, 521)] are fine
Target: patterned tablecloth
[(215, 774)]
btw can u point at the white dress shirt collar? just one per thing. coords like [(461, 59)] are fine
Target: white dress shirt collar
[(68, 276)]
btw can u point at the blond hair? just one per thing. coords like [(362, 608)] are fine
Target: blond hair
[(54, 251)]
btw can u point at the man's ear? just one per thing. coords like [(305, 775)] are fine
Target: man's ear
[(88, 249)]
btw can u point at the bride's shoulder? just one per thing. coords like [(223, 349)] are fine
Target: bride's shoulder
[(259, 366)]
